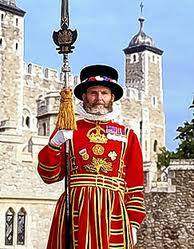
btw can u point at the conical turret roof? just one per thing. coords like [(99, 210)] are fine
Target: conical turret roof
[(141, 38), (141, 41)]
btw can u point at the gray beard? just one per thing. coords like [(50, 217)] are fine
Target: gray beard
[(98, 109)]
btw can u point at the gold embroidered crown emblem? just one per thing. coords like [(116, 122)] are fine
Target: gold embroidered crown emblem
[(96, 135)]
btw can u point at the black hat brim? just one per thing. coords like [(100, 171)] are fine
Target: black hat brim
[(115, 88)]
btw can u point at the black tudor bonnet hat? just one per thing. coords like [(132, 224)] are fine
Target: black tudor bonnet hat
[(96, 75)]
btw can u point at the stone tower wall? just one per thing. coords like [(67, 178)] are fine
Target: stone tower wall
[(154, 102), (170, 210), (11, 63), (143, 101)]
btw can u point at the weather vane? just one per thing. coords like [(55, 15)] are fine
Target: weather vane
[(141, 6)]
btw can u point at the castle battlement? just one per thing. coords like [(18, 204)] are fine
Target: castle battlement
[(35, 70), (168, 180)]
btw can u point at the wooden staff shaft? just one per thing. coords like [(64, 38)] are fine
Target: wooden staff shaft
[(68, 213)]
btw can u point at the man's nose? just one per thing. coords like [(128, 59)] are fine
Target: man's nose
[(99, 96)]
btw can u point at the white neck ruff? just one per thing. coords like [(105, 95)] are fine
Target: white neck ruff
[(82, 114)]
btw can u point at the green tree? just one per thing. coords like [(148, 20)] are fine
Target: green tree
[(185, 149), (163, 158)]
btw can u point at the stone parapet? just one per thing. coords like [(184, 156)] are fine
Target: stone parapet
[(49, 104), (170, 214)]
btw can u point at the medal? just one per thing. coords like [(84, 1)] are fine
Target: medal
[(98, 150)]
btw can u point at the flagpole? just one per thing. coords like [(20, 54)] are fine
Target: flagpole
[(64, 39)]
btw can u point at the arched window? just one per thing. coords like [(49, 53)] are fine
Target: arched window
[(27, 122), (155, 145), (9, 226), (2, 17), (21, 224), (29, 68), (16, 46), (1, 42)]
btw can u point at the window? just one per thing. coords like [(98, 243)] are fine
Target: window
[(16, 46), (21, 219), (29, 68), (2, 17), (155, 145), (1, 42), (44, 129), (46, 74), (154, 101), (134, 58), (146, 145), (141, 131), (9, 226), (27, 122), (16, 21)]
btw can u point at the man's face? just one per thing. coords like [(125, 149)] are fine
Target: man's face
[(98, 100)]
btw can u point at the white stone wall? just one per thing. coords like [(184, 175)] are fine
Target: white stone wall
[(22, 187), (38, 221), (11, 33)]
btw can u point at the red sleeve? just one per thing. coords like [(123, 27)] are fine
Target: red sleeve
[(51, 163), (134, 195)]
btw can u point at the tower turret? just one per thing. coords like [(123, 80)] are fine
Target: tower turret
[(11, 65), (142, 106)]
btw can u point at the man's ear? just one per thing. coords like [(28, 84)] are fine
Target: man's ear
[(113, 97), (83, 96)]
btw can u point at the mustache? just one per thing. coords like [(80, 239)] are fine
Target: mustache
[(98, 108)]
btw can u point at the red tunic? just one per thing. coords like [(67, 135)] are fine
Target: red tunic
[(106, 186)]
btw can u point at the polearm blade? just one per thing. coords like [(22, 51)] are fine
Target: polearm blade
[(64, 39), (64, 13)]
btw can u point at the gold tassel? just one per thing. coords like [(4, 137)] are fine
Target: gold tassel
[(66, 116)]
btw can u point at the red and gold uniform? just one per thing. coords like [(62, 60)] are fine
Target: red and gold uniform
[(106, 186)]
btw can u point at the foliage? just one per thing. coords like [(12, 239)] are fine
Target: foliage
[(164, 157), (185, 149)]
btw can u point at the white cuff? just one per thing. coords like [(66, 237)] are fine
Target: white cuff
[(134, 234)]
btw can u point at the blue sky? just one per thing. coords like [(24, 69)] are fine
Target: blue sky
[(105, 28)]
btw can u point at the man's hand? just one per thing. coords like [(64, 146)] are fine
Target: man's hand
[(61, 137)]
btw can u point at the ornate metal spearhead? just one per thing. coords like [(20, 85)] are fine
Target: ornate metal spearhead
[(65, 37)]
